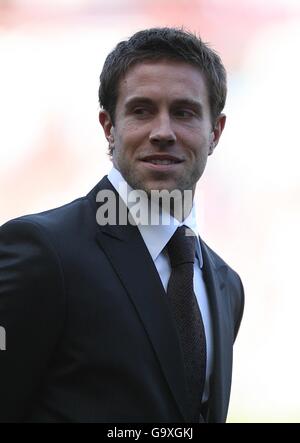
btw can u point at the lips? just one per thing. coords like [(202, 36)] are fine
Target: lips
[(161, 159)]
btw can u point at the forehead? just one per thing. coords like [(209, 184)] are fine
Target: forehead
[(163, 79)]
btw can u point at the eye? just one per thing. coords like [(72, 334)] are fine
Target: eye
[(184, 113), (141, 111)]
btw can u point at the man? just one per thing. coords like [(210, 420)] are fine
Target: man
[(95, 330)]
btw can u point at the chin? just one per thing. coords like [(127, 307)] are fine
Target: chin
[(159, 186)]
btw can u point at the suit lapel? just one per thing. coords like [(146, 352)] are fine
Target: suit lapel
[(128, 255), (223, 335)]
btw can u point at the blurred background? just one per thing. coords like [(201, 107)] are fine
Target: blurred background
[(52, 150)]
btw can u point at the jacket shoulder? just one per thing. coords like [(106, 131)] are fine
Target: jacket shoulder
[(62, 219), (233, 283), (217, 261)]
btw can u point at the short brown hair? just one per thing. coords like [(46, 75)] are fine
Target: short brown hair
[(163, 43)]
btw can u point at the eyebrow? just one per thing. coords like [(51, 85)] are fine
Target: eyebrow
[(195, 104), (136, 100)]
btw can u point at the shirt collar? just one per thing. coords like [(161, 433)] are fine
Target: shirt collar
[(156, 236)]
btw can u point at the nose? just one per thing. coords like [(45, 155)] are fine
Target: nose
[(162, 133)]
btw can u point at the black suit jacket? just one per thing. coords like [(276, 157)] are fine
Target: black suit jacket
[(89, 336)]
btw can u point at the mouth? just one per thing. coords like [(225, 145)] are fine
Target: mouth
[(161, 161)]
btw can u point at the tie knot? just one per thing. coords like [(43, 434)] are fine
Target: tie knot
[(181, 247)]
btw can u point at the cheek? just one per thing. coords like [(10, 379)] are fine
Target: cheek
[(126, 146), (133, 139), (195, 137), (196, 147)]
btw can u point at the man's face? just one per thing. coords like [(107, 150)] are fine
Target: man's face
[(163, 131)]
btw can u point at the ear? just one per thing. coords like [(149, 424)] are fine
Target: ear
[(217, 132), (106, 123)]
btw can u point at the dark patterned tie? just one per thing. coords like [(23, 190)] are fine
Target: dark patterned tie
[(187, 316)]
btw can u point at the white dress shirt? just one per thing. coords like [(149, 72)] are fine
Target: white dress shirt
[(156, 237)]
